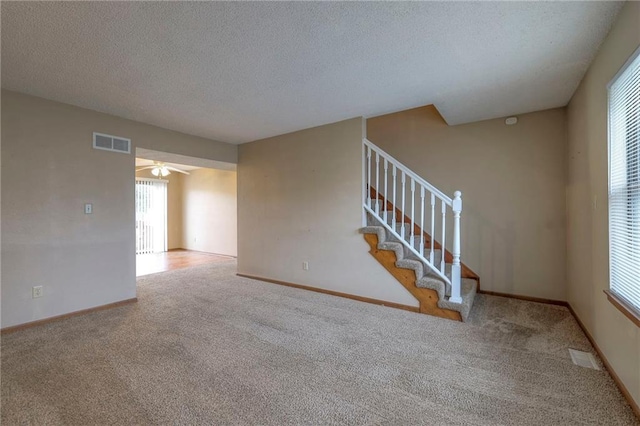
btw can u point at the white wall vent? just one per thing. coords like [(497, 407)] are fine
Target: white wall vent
[(111, 143), (584, 359)]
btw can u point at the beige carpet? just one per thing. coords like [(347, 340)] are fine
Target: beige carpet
[(203, 346)]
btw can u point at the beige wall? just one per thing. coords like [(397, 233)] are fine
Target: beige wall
[(49, 170), (174, 206), (210, 211), (299, 199), (512, 183), (587, 226)]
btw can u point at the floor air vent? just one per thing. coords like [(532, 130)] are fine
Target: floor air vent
[(584, 359), (111, 143)]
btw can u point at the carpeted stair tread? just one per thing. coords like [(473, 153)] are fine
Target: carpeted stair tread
[(378, 230), (434, 283), (383, 243), (398, 248), (468, 290), (416, 265), (371, 229)]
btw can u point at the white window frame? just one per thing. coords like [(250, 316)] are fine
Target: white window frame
[(628, 303)]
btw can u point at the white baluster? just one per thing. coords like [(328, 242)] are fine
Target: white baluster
[(422, 220), (404, 178), (444, 235), (369, 176), (413, 203), (386, 194), (364, 183), (455, 267), (433, 226), (147, 226), (393, 218), (377, 184)]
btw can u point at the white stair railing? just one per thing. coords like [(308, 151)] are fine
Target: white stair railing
[(380, 165)]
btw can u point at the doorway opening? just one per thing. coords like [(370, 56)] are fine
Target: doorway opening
[(186, 211)]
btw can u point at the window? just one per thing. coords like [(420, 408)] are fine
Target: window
[(151, 216), (624, 185)]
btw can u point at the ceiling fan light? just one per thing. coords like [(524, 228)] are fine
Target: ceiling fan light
[(155, 171), (164, 171)]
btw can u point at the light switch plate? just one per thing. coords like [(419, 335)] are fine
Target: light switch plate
[(88, 208), (36, 291)]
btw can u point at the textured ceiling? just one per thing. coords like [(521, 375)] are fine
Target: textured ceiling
[(239, 71)]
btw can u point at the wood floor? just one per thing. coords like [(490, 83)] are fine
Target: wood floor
[(174, 259)]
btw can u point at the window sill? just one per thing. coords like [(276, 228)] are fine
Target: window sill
[(624, 307)]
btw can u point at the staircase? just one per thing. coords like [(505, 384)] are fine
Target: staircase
[(397, 204)]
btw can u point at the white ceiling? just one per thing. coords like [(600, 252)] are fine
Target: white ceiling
[(240, 71)]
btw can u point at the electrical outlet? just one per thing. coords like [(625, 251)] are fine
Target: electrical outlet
[(305, 265), (36, 291)]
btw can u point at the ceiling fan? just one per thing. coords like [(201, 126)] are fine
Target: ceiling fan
[(160, 169)]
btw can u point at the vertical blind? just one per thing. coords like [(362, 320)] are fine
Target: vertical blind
[(624, 183), (151, 216)]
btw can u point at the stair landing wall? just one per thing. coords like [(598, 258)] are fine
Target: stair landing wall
[(299, 200)]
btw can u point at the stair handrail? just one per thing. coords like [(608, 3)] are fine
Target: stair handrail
[(454, 203), (409, 172)]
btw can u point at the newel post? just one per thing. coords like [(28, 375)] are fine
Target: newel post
[(455, 267)]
